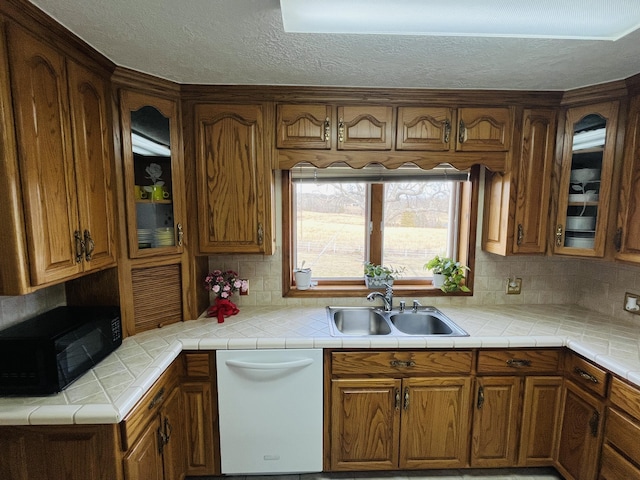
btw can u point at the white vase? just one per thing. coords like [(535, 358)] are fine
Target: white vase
[(438, 280)]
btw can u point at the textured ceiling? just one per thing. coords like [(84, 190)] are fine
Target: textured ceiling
[(243, 42)]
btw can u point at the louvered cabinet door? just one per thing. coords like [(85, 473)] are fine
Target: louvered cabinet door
[(157, 296)]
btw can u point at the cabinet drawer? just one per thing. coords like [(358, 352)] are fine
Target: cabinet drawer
[(197, 364), (615, 467), (586, 374), (626, 397), (518, 360), (148, 406), (623, 433), (401, 362)]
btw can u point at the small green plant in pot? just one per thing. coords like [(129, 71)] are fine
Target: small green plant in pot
[(447, 274), (375, 276)]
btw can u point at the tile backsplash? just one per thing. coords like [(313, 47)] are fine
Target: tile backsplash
[(15, 309)]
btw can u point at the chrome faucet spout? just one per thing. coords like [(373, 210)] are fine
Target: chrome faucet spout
[(387, 297)]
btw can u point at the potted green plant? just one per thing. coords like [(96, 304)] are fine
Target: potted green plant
[(448, 274), (376, 276)]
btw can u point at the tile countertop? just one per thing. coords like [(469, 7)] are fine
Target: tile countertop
[(109, 391)]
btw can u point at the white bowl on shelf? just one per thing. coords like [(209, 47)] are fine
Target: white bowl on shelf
[(580, 223), (579, 242), (584, 175)]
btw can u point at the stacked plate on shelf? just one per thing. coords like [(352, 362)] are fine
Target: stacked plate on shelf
[(164, 237), (145, 237)]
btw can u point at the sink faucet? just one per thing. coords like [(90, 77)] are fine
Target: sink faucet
[(387, 297)]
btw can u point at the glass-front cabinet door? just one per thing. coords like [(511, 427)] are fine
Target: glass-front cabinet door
[(585, 182), (153, 174)]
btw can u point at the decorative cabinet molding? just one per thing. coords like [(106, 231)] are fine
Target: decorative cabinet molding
[(64, 156), (586, 176), (234, 179), (517, 202)]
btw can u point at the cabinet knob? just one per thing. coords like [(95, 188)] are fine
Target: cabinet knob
[(79, 245), (462, 132), (180, 234), (260, 234), (341, 131), (594, 423), (327, 129), (617, 239), (559, 236), (447, 131), (89, 246), (520, 234)]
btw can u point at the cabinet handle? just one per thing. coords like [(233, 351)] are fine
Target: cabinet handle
[(180, 234), (585, 375), (518, 363), (79, 245), (260, 234), (161, 440), (402, 363), (89, 245), (462, 132), (447, 131), (617, 239), (406, 399), (327, 129), (157, 399), (341, 131), (397, 399), (559, 236), (480, 398), (167, 430), (594, 422), (520, 234)]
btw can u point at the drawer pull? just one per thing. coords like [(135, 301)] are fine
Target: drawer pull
[(402, 363), (157, 399), (518, 363), (585, 375)]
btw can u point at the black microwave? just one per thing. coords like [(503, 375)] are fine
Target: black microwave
[(46, 353)]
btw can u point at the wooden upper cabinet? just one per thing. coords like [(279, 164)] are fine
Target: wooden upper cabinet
[(517, 201), (627, 241), (365, 127), (484, 129), (64, 157), (234, 179), (304, 126), (585, 179), (425, 128)]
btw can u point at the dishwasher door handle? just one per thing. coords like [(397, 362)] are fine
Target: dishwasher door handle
[(303, 362)]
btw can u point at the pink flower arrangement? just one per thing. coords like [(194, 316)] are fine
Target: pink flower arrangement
[(224, 284)]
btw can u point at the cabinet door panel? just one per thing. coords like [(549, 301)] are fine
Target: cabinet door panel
[(200, 423), (484, 129), (365, 422), (435, 423), (144, 460), (365, 128), (173, 453), (628, 243), (495, 422), (93, 142), (580, 435), (424, 128), (304, 126), (540, 420), (231, 177), (39, 88)]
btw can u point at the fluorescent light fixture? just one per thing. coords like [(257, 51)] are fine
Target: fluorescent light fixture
[(565, 19), (148, 148)]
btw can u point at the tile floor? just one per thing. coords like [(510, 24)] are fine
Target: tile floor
[(485, 474)]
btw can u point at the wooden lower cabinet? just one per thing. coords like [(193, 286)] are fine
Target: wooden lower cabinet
[(580, 436), (159, 452), (495, 421), (392, 414)]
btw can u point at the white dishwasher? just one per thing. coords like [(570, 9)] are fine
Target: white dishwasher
[(270, 410)]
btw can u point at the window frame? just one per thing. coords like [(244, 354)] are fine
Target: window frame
[(467, 231)]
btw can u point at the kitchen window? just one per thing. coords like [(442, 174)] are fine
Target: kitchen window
[(337, 218)]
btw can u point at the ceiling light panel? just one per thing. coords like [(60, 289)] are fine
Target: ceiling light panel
[(566, 19)]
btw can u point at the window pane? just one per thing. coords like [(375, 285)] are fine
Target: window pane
[(417, 217), (330, 228)]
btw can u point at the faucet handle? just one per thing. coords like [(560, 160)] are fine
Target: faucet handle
[(402, 305), (416, 304)]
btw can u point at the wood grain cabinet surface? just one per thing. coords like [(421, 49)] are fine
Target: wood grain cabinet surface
[(385, 415), (234, 179), (517, 201), (65, 156)]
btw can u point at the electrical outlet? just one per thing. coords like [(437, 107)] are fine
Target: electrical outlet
[(632, 303), (244, 290), (514, 286)]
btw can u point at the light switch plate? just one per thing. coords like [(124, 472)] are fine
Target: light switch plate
[(514, 286)]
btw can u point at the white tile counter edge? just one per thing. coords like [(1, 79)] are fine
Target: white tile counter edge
[(114, 386)]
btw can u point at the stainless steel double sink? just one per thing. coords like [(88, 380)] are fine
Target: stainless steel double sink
[(367, 321)]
